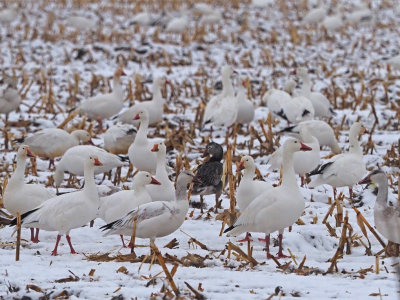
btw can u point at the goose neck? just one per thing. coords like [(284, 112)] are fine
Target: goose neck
[(19, 172), (306, 86), (181, 192), (90, 185), (288, 175), (249, 173), (143, 128), (382, 196), (117, 88), (227, 87), (354, 144), (157, 96)]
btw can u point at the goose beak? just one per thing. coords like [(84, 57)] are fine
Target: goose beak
[(241, 166), (123, 72), (305, 147), (155, 148), (364, 130), (29, 153), (90, 142), (97, 162), (197, 179), (154, 181), (294, 72), (137, 117), (244, 83), (366, 180)]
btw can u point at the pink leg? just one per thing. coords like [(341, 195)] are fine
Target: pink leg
[(32, 234), (36, 238), (51, 163), (334, 194), (123, 242), (70, 244), (54, 252), (247, 238), (280, 253), (267, 240)]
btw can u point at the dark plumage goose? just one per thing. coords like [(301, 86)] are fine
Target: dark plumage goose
[(210, 174)]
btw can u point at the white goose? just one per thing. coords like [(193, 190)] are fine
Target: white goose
[(155, 107), (119, 204), (81, 23), (222, 109), (394, 62), (178, 24), (104, 106), (321, 104), (304, 162), (277, 208), (118, 138), (53, 142), (298, 109), (315, 15), (68, 211), (319, 129), (166, 190), (248, 188), (276, 99), (156, 219), (139, 152), (333, 23), (21, 197), (245, 113), (386, 217), (9, 100), (73, 161), (344, 169)]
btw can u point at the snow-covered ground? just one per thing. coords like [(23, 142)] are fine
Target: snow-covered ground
[(53, 61)]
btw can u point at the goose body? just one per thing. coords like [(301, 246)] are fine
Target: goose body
[(315, 15), (333, 22), (320, 130), (394, 62), (386, 217), (139, 151), (104, 106), (19, 196), (177, 24), (9, 100), (118, 138), (81, 23), (68, 211), (245, 112), (277, 99), (222, 109), (278, 207), (344, 169), (156, 219), (74, 158), (53, 142), (154, 107), (320, 103), (166, 190), (303, 162), (298, 109)]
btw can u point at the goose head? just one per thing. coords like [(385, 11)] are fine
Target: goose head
[(246, 162), (376, 176), (302, 72), (305, 134), (227, 71), (142, 115), (186, 177), (292, 145), (214, 150), (24, 151), (160, 81), (119, 72), (289, 87), (83, 136), (355, 130), (94, 161), (159, 147), (144, 178)]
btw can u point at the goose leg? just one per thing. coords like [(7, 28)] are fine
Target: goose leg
[(51, 163), (36, 238), (351, 194), (280, 253), (302, 180), (123, 242), (247, 238), (54, 252), (32, 235), (267, 240), (70, 244)]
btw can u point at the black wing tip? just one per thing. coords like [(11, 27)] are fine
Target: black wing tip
[(229, 229), (334, 113), (320, 169), (288, 129), (305, 112), (108, 226), (282, 114), (123, 158), (23, 216)]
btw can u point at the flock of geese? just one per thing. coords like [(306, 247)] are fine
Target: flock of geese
[(154, 204)]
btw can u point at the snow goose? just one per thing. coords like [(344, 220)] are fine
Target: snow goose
[(68, 211), (9, 100), (222, 109), (178, 24), (139, 152), (245, 113), (248, 188), (344, 169), (360, 14), (210, 174), (104, 106), (155, 107), (276, 99), (277, 208), (118, 138), (81, 23), (74, 158), (143, 18), (156, 219), (319, 129), (394, 62), (315, 15), (321, 104), (303, 162), (386, 217), (333, 23), (166, 190), (117, 205), (298, 109), (21, 197), (53, 142)]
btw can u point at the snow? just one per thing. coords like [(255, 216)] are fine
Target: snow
[(336, 62)]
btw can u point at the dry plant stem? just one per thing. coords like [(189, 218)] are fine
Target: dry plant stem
[(72, 115), (250, 259), (369, 227), (18, 245), (133, 236), (165, 269), (231, 180), (342, 242)]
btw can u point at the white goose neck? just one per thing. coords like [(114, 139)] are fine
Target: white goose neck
[(354, 144), (249, 172), (157, 96), (181, 192), (117, 88), (90, 185), (19, 172), (143, 128), (306, 86), (382, 196), (227, 87), (288, 175)]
